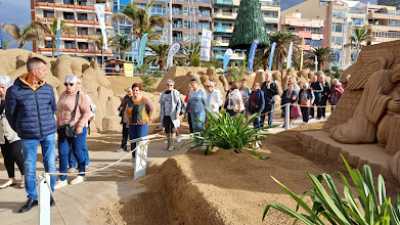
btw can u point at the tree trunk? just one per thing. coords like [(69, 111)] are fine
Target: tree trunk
[(53, 47)]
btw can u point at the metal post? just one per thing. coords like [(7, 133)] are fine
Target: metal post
[(287, 117), (170, 23), (44, 200)]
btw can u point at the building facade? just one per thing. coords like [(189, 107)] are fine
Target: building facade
[(80, 18), (383, 23), (343, 17), (224, 17), (309, 30)]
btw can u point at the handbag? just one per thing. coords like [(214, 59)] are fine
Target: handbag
[(67, 130), (295, 112)]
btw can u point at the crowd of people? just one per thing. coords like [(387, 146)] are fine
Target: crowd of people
[(303, 97), (30, 116)]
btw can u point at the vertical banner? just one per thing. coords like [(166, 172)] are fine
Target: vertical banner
[(141, 159), (227, 57), (58, 37), (173, 49), (252, 54), (271, 56), (289, 57), (316, 63), (142, 47), (205, 45), (135, 49), (101, 17)]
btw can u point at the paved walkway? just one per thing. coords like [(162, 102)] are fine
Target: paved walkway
[(75, 205)]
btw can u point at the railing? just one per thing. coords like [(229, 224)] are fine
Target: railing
[(88, 6), (76, 50), (77, 22)]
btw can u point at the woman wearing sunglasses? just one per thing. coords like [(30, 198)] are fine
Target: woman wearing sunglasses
[(73, 113)]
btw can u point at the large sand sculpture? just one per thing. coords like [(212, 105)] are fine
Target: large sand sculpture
[(94, 82), (369, 111)]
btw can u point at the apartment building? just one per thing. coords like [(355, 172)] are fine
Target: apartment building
[(121, 26), (310, 30), (384, 23), (342, 18), (224, 17), (80, 17)]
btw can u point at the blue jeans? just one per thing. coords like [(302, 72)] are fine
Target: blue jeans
[(76, 146), (29, 148), (73, 163), (137, 131), (257, 122)]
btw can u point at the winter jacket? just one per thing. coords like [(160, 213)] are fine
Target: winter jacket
[(270, 91), (256, 102), (30, 110)]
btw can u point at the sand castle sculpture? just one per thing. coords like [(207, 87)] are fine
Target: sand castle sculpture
[(369, 111), (94, 82)]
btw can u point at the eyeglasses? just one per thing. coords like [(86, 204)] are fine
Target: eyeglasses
[(170, 85), (69, 84)]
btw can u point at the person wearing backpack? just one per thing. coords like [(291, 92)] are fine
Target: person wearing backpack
[(73, 113), (256, 104), (170, 109)]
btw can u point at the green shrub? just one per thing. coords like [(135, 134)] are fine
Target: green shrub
[(226, 132), (366, 204), (147, 82)]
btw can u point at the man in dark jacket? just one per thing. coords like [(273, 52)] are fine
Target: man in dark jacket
[(124, 122), (270, 90), (30, 109), (256, 104)]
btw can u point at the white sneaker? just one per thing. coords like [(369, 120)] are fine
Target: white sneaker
[(72, 170), (77, 180), (61, 184), (8, 183)]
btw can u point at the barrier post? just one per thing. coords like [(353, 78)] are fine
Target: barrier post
[(141, 159), (287, 117), (44, 200)]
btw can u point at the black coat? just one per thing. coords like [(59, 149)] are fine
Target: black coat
[(269, 94)]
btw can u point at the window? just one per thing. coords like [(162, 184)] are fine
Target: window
[(337, 40), (358, 21), (339, 14), (48, 13), (69, 2), (82, 16), (337, 27), (270, 14), (47, 44), (83, 31), (69, 16), (83, 45), (69, 44)]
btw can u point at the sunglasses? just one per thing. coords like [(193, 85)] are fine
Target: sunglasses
[(69, 84)]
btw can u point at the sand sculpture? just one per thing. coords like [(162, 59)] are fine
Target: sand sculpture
[(369, 111), (94, 82)]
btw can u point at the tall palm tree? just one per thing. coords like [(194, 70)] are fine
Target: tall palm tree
[(50, 30), (159, 54), (21, 35), (358, 38), (121, 43), (323, 56), (193, 53), (282, 40), (99, 43), (141, 19)]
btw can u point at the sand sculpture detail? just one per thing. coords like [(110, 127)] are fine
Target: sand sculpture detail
[(369, 111)]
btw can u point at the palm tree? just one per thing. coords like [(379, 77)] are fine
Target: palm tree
[(99, 42), (50, 30), (120, 42), (282, 40), (359, 36), (141, 20), (21, 35), (193, 53), (323, 56), (159, 54)]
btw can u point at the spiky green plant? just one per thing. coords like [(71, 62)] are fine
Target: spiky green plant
[(364, 204), (227, 132)]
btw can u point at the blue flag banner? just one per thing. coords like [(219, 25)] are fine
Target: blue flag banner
[(227, 57), (271, 56), (252, 54), (289, 57), (142, 47)]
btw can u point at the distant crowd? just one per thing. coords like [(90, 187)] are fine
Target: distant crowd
[(306, 99)]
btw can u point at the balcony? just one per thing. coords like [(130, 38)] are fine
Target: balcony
[(383, 28), (224, 2), (222, 29), (85, 52), (87, 7), (384, 16), (225, 15), (74, 22)]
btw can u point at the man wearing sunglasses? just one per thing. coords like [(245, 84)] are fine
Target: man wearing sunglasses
[(30, 109)]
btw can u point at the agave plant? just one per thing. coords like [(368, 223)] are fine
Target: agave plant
[(227, 132), (369, 205)]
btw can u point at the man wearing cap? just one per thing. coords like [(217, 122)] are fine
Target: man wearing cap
[(30, 109)]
